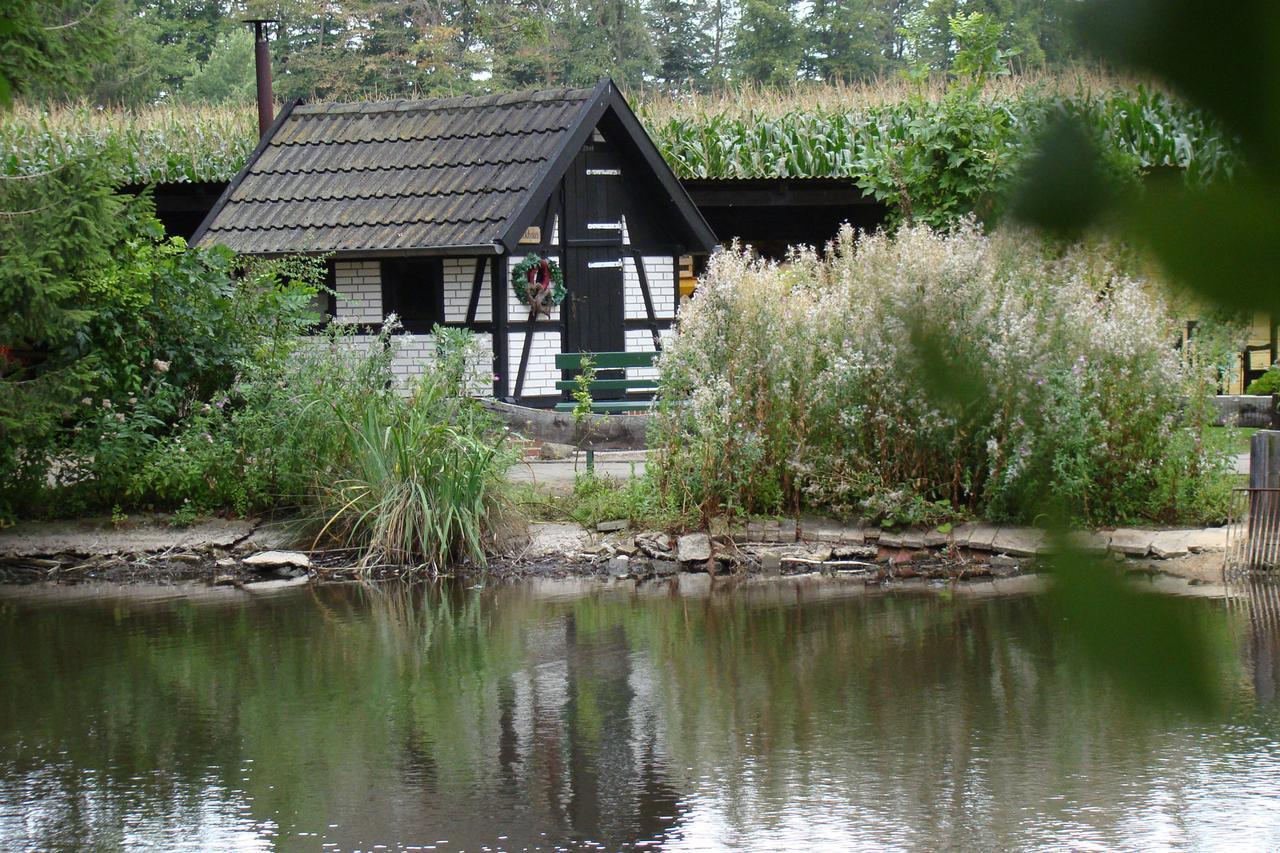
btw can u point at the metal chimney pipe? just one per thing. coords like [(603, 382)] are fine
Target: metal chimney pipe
[(262, 65)]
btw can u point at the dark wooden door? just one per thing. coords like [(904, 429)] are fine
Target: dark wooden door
[(594, 314)]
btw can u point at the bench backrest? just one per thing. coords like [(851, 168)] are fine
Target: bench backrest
[(605, 360)]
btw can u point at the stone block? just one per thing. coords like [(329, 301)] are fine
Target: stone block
[(718, 527), (960, 534), (1168, 544), (770, 563), (1131, 543), (913, 537), (936, 538), (889, 539), (787, 530), (1207, 539), (983, 537), (693, 548), (275, 559), (1019, 541), (613, 526), (1091, 541)]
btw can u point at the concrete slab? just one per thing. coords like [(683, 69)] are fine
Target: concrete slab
[(100, 539), (1168, 544), (1020, 541), (1131, 543), (960, 534), (983, 537)]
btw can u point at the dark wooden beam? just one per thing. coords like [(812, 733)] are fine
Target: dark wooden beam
[(498, 276), (477, 284), (648, 298)]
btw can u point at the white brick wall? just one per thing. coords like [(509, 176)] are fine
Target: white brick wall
[(662, 289), (541, 375), (413, 355), (359, 288), (459, 275), (641, 340)]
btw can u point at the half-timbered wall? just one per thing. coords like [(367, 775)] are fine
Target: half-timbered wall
[(358, 285)]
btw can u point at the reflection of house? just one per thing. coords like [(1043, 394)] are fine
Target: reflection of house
[(426, 206)]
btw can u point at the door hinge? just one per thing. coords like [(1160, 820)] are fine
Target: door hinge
[(599, 172), (604, 265)]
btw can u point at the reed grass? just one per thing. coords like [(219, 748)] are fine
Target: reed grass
[(422, 477)]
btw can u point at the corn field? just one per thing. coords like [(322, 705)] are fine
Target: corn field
[(925, 147)]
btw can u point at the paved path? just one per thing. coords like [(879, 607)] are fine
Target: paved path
[(559, 475)]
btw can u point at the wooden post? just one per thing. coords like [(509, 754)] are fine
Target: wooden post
[(498, 278)]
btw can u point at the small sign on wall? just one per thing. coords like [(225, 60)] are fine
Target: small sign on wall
[(532, 234)]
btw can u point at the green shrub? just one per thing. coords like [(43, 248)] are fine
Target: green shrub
[(114, 335), (926, 375), (1267, 383)]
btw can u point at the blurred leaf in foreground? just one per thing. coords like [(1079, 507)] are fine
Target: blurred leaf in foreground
[(1220, 241)]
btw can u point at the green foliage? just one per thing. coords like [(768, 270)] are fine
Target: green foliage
[(49, 47), (934, 160), (596, 498), (115, 334), (912, 378), (582, 399), (171, 144), (1267, 383)]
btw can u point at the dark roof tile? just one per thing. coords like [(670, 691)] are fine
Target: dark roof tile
[(401, 175)]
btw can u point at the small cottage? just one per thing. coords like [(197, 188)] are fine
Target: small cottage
[(429, 209)]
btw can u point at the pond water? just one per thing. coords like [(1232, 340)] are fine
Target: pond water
[(545, 715)]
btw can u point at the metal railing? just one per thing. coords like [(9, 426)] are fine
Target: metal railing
[(1253, 533)]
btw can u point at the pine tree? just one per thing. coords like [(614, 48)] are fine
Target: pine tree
[(846, 38), (683, 46), (770, 42)]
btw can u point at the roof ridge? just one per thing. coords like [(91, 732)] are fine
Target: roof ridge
[(336, 170), (457, 102), (377, 223), (432, 138), (379, 195)]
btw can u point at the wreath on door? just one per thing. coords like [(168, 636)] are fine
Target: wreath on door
[(538, 283)]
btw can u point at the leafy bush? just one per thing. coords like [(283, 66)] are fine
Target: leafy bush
[(915, 377), (113, 334), (1267, 383)]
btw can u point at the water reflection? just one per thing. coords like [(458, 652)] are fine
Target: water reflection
[(522, 716)]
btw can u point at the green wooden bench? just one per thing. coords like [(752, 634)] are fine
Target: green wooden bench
[(609, 361)]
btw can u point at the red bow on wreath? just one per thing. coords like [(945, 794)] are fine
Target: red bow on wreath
[(540, 275), (538, 287)]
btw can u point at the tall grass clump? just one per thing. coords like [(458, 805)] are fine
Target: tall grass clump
[(423, 474), (922, 376)]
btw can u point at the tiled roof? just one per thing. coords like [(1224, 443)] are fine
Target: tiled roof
[(399, 175)]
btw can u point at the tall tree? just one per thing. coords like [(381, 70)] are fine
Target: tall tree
[(770, 43), (683, 45), (846, 39), (49, 50)]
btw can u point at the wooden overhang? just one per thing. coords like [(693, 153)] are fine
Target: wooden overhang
[(452, 176), (773, 213)]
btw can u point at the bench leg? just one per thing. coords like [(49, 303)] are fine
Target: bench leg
[(591, 461)]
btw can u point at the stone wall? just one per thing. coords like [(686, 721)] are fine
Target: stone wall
[(1246, 410)]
